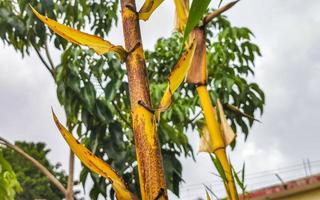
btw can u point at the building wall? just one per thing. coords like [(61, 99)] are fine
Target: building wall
[(308, 195)]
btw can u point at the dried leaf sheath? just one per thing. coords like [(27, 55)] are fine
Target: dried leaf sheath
[(197, 73), (226, 130), (72, 35), (176, 77), (95, 164)]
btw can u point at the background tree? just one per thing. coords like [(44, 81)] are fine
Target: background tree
[(94, 90), (35, 185), (9, 185)]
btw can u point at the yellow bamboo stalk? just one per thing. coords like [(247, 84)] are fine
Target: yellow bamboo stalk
[(150, 167), (217, 140)]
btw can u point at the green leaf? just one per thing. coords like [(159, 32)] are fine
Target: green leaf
[(89, 96), (112, 88), (9, 184), (219, 167), (197, 10)]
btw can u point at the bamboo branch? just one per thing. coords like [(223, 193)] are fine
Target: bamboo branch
[(37, 164), (218, 12), (195, 117), (237, 111)]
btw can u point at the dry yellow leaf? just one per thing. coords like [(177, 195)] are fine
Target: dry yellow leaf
[(148, 8), (176, 77), (98, 44), (95, 164), (182, 12), (208, 196)]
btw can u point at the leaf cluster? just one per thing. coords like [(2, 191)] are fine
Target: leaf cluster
[(35, 185), (9, 185)]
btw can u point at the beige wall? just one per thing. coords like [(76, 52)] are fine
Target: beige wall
[(308, 195)]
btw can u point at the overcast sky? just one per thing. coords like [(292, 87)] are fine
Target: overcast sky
[(288, 34)]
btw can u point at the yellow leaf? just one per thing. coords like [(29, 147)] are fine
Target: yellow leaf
[(94, 163), (208, 196), (176, 77), (72, 35), (182, 12), (227, 132), (148, 7)]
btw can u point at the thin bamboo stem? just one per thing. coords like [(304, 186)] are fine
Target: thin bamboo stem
[(217, 140), (218, 12)]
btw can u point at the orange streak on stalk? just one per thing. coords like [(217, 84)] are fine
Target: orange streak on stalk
[(150, 167)]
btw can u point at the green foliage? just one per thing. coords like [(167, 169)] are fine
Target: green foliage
[(240, 180), (35, 185), (94, 90), (219, 168), (231, 56), (9, 184), (231, 64)]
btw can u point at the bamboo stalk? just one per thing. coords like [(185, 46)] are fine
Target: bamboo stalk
[(150, 167), (217, 140)]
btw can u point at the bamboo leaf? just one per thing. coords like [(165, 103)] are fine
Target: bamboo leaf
[(77, 37), (94, 163), (238, 180), (182, 11), (176, 77), (219, 168), (148, 8), (197, 10), (211, 192)]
